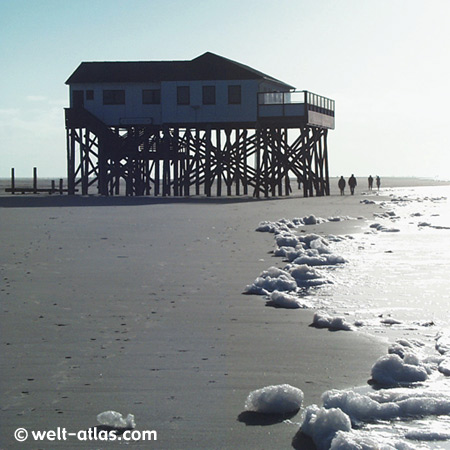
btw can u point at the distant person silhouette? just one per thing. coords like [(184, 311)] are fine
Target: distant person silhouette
[(352, 184), (341, 184), (370, 180), (378, 182)]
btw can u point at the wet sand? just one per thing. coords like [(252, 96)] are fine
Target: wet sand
[(136, 305)]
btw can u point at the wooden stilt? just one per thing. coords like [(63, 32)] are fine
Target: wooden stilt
[(13, 182), (34, 180), (219, 158)]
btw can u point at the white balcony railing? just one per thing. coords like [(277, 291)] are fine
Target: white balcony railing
[(293, 103)]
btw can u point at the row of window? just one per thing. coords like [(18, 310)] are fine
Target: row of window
[(153, 96)]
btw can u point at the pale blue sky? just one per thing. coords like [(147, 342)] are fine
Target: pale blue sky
[(385, 63)]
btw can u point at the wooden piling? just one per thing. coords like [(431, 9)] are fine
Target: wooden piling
[(13, 182), (34, 180)]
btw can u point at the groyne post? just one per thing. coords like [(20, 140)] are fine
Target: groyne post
[(13, 182), (34, 180)]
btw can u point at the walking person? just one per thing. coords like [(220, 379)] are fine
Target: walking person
[(341, 184), (370, 180), (378, 182), (352, 183)]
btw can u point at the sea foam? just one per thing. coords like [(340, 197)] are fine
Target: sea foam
[(277, 399), (116, 420)]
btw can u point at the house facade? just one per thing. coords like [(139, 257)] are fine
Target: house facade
[(209, 89)]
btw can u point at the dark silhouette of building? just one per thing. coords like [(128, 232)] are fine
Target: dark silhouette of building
[(205, 125)]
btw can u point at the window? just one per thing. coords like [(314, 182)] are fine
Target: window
[(114, 97), (183, 95), (89, 94), (151, 96), (209, 95), (234, 95)]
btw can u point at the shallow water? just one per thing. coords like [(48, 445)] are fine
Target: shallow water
[(395, 286)]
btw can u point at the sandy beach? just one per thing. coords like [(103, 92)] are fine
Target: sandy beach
[(136, 305)]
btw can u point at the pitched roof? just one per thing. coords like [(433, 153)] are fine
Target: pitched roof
[(208, 66)]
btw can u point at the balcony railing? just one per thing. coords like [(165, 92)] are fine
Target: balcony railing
[(293, 104)]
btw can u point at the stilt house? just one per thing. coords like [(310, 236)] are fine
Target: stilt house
[(201, 126)]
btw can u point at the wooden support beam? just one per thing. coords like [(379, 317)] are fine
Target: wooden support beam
[(245, 161), (219, 159), (325, 157), (208, 175), (34, 180), (13, 181)]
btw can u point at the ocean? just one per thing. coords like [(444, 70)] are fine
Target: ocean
[(395, 286)]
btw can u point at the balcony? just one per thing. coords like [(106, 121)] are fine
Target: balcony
[(296, 107)]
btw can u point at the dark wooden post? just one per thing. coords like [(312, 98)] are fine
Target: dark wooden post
[(237, 162), (197, 161), (187, 163), (70, 162), (258, 162), (34, 180), (208, 151), (244, 156), (325, 155), (219, 158), (13, 182)]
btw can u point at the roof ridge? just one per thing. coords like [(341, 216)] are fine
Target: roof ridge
[(217, 68)]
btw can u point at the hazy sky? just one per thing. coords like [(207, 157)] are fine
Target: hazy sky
[(385, 63)]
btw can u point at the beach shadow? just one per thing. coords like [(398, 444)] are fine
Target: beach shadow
[(252, 418), (45, 201), (272, 304), (303, 442), (331, 329)]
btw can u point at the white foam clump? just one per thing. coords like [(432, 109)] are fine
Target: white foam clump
[(443, 347), (313, 258), (312, 220), (287, 239), (276, 399), (305, 276), (279, 226), (355, 440), (390, 321), (285, 280), (322, 320), (443, 343), (116, 420), (404, 346), (321, 425), (330, 427), (310, 249), (272, 279), (393, 370), (444, 366), (285, 300), (387, 404), (427, 435), (380, 227)]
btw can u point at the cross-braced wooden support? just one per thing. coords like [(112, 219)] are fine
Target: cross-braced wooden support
[(200, 160)]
